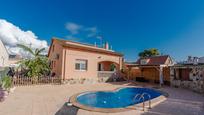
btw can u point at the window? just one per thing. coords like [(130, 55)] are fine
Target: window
[(53, 64), (56, 56), (81, 64), (144, 61), (53, 48)]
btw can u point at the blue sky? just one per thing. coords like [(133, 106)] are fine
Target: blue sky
[(175, 27)]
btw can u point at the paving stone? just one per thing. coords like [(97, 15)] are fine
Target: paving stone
[(51, 100)]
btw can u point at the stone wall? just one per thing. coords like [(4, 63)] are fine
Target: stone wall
[(195, 82), (197, 86), (86, 80), (101, 78), (83, 81)]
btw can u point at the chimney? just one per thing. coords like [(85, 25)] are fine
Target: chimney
[(106, 46)]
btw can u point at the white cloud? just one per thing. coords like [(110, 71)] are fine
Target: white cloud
[(92, 32), (70, 37), (12, 35), (73, 28), (76, 29)]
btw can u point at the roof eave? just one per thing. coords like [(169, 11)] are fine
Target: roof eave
[(92, 49)]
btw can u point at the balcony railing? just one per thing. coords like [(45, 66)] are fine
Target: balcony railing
[(105, 73)]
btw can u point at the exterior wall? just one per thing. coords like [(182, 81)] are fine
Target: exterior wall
[(201, 60), (189, 78), (184, 74), (169, 61), (135, 72), (166, 74), (92, 58), (64, 65), (4, 56), (149, 73), (57, 63)]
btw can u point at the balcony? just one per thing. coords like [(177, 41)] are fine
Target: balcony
[(104, 74)]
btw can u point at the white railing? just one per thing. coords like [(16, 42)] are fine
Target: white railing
[(141, 96), (105, 73)]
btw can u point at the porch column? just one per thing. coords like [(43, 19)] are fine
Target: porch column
[(161, 82), (172, 75)]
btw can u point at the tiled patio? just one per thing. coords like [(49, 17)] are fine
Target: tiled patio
[(50, 100)]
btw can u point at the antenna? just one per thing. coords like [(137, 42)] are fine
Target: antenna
[(95, 44), (100, 37)]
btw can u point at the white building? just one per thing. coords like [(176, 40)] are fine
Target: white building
[(201, 60), (194, 60), (4, 56)]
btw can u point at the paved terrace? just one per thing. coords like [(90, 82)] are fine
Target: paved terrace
[(50, 100)]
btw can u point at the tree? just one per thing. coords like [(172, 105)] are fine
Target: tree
[(149, 53), (37, 65)]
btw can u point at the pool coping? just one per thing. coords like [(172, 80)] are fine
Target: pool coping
[(138, 106)]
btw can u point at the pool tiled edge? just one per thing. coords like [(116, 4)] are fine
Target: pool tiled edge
[(154, 102)]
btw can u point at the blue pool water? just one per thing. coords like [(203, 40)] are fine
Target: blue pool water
[(118, 99)]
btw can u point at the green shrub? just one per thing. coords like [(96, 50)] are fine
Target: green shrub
[(37, 65), (6, 82), (3, 71), (112, 67)]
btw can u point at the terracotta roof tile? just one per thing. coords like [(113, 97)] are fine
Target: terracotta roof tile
[(155, 60)]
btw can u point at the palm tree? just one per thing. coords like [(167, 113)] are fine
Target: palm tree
[(37, 65), (35, 53)]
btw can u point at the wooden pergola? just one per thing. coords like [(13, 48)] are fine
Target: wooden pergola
[(158, 68)]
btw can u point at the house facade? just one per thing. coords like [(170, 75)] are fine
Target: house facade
[(73, 60), (4, 56), (153, 69)]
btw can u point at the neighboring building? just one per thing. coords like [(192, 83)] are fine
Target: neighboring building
[(73, 60), (188, 70), (153, 69), (133, 70), (189, 74), (4, 56), (14, 59)]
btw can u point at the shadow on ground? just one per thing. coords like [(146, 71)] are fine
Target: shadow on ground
[(175, 105), (67, 110)]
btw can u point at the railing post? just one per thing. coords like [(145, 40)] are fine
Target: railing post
[(150, 104), (51, 79)]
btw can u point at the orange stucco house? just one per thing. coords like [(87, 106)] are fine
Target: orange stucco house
[(74, 60)]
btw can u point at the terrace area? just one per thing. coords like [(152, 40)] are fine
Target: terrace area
[(51, 99)]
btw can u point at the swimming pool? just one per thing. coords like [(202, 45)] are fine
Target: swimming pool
[(117, 99)]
